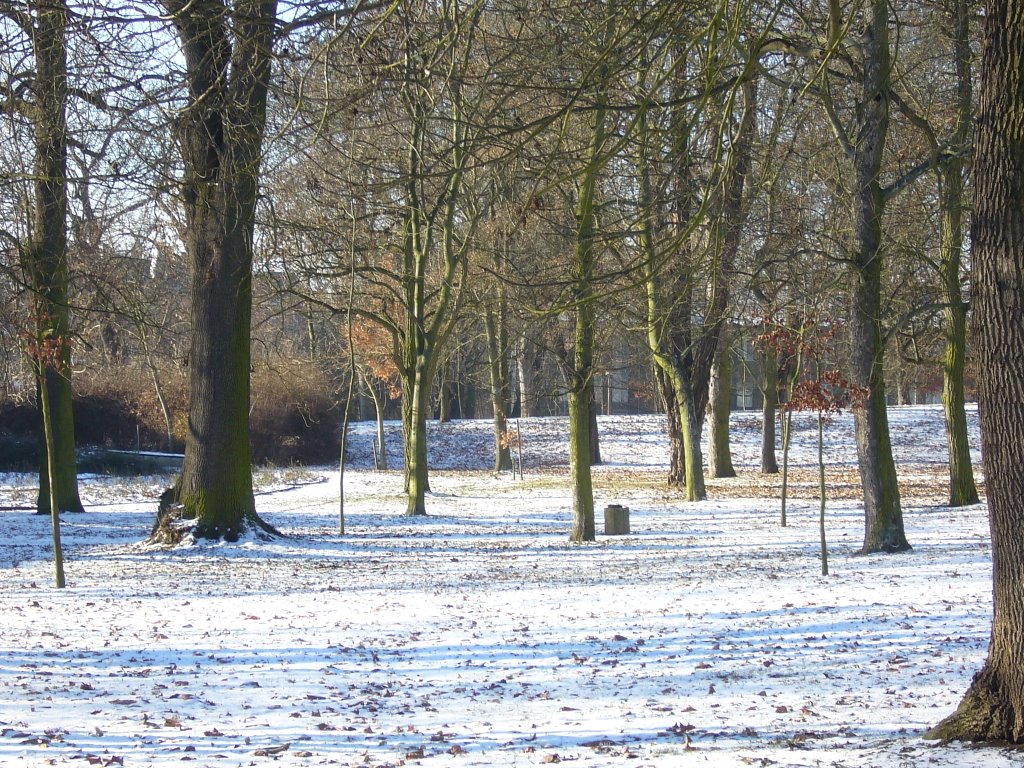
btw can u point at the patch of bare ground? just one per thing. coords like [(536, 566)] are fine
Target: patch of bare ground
[(921, 485)]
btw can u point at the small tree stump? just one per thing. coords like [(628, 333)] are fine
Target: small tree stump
[(616, 520)]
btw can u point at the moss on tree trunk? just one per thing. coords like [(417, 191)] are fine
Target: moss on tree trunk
[(227, 52), (719, 454), (883, 516), (45, 256)]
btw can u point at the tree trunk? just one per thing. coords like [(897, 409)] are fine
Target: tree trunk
[(45, 256), (497, 364), (579, 460), (378, 408), (227, 52), (669, 305), (526, 361), (58, 550), (595, 440), (687, 459), (677, 454), (579, 364), (883, 518), (769, 405), (728, 230), (431, 314), (445, 396), (993, 708), (962, 489), (719, 455), (407, 430), (65, 468), (416, 444), (822, 542), (787, 434)]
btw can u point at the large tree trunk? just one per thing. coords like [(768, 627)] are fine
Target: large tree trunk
[(45, 256), (227, 52), (883, 518), (993, 708), (962, 489)]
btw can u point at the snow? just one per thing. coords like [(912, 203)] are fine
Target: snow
[(479, 636)]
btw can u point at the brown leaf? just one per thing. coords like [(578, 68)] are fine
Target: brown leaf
[(271, 751)]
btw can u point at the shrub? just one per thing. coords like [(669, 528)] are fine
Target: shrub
[(294, 416)]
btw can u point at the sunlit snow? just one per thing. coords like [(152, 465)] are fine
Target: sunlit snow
[(479, 635)]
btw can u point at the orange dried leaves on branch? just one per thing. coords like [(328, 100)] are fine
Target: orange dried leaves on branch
[(509, 439), (829, 393), (373, 350), (46, 347)]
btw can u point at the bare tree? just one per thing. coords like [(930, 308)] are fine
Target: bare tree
[(42, 99), (227, 49)]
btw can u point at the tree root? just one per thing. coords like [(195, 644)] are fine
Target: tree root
[(176, 525), (986, 715)]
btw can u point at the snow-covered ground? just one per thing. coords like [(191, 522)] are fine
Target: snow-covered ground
[(479, 636)]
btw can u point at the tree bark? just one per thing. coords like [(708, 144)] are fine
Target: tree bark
[(595, 438), (58, 550), (579, 459), (227, 52), (669, 292), (962, 488), (728, 231), (45, 255), (431, 314), (719, 455), (883, 517), (497, 363), (677, 454), (993, 708), (416, 466), (579, 363)]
